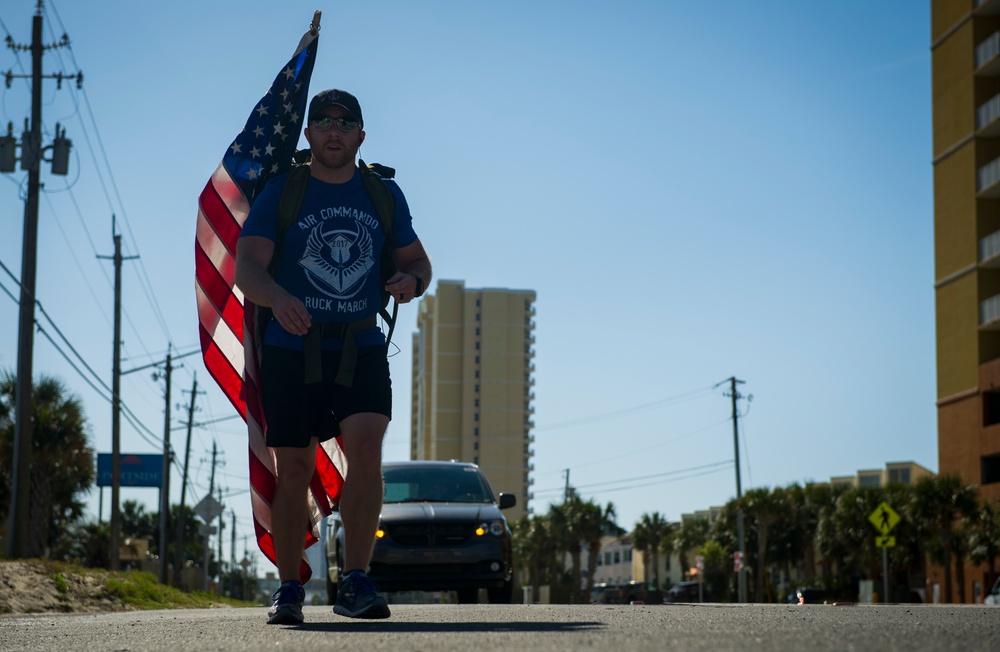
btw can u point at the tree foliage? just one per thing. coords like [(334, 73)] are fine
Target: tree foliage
[(62, 462)]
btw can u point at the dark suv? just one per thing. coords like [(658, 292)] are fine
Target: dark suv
[(440, 530)]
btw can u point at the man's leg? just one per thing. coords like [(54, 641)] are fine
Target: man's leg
[(360, 504), (361, 496), (289, 513), (290, 510)]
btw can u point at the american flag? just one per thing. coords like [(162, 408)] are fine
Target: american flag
[(228, 337)]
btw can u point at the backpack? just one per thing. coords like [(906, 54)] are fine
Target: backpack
[(289, 205)]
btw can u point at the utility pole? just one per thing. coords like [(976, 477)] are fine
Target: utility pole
[(742, 574), (168, 455), (31, 158), (208, 524), (741, 562), (179, 556), (221, 512), (165, 484), (116, 402), (232, 552), (567, 489)]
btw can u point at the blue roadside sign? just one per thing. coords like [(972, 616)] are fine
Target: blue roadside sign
[(136, 470)]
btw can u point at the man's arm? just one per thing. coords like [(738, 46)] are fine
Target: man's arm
[(253, 255), (411, 261)]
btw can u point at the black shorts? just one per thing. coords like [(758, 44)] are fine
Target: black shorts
[(297, 412)]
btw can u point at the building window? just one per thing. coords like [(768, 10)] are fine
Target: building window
[(991, 408), (869, 481), (607, 558), (477, 373), (479, 302), (475, 445), (477, 402), (477, 316), (990, 469), (628, 555), (477, 331), (476, 431), (901, 476), (475, 417), (477, 346), (477, 358), (618, 557), (477, 389)]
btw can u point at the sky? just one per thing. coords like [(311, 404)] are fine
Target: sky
[(695, 191)]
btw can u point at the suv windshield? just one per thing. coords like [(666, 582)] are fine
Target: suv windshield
[(435, 484)]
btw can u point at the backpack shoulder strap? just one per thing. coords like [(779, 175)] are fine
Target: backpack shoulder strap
[(385, 206), (292, 197)]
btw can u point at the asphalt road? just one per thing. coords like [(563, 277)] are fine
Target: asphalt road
[(520, 628)]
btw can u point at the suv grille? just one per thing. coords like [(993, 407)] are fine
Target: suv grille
[(425, 534)]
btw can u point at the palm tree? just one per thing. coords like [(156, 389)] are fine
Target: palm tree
[(984, 537), (764, 507), (646, 536), (936, 502), (567, 526), (688, 536), (534, 549), (595, 522), (62, 462)]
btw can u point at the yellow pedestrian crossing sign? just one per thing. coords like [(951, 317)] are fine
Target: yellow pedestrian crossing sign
[(885, 542), (884, 518)]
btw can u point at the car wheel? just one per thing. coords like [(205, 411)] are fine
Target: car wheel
[(468, 596), (501, 594)]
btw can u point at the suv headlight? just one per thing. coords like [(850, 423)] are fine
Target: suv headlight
[(495, 528)]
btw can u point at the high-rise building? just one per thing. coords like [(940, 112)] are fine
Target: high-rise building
[(965, 80), (965, 64), (473, 360)]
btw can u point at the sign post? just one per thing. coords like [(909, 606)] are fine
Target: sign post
[(884, 518)]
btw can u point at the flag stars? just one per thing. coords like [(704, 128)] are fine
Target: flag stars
[(236, 148), (254, 153), (288, 107), (268, 150), (253, 172), (259, 131), (294, 117), (288, 72), (279, 130), (284, 94), (261, 110)]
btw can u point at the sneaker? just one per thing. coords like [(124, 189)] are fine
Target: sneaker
[(358, 598), (287, 607)]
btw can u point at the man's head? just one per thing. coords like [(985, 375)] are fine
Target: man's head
[(334, 131), (336, 97)]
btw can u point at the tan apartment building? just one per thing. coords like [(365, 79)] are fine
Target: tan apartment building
[(894, 473), (473, 360)]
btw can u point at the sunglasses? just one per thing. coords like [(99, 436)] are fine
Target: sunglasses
[(343, 124)]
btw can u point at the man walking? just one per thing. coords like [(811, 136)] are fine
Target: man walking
[(324, 366)]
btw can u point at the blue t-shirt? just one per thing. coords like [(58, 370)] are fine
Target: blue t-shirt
[(331, 258)]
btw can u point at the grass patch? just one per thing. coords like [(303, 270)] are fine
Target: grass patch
[(61, 584), (129, 590)]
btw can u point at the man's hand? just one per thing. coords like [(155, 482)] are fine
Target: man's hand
[(291, 313), (402, 287)]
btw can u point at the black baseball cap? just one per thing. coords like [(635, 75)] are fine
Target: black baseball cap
[(336, 97)]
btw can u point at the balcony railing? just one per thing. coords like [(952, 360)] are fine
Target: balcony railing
[(988, 50), (988, 112), (989, 313), (989, 248), (987, 178)]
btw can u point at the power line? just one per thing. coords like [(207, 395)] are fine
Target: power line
[(597, 418)]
